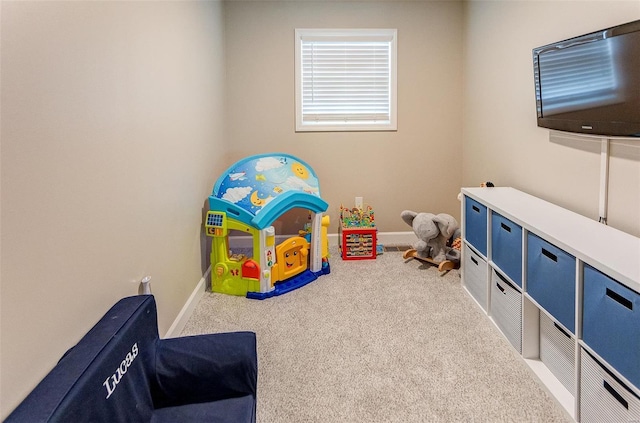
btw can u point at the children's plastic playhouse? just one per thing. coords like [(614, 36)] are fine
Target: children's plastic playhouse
[(249, 197)]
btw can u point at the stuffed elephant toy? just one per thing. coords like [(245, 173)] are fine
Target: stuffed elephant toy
[(433, 232)]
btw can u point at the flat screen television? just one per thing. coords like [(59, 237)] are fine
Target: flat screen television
[(590, 84)]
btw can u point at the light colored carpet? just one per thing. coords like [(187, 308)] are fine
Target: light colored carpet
[(380, 341)]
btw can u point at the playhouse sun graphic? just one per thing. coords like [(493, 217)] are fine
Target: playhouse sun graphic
[(257, 182)]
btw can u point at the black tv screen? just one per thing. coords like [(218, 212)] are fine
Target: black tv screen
[(591, 84)]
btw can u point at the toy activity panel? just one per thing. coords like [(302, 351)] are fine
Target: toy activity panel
[(249, 197), (357, 233)]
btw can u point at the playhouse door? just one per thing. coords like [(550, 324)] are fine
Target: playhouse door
[(291, 257)]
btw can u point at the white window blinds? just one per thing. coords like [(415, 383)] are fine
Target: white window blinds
[(345, 80)]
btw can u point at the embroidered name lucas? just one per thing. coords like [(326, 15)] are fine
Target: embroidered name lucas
[(112, 381)]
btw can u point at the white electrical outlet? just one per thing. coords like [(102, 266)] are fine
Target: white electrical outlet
[(359, 202)]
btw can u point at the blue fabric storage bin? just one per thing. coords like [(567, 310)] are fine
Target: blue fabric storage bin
[(506, 247), (475, 221), (611, 322), (551, 279)]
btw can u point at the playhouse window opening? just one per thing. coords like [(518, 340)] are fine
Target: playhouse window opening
[(240, 243)]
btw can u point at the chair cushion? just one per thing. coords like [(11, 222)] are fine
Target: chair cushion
[(205, 368), (231, 410)]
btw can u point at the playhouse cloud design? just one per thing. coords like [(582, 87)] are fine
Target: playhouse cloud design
[(236, 194), (295, 182), (268, 163)]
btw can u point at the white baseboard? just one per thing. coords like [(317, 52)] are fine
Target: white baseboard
[(397, 238), (187, 310)]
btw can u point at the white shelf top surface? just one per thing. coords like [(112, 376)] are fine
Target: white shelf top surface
[(613, 252)]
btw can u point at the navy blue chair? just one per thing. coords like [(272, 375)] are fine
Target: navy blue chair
[(121, 371)]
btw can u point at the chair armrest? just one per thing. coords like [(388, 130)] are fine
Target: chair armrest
[(205, 368)]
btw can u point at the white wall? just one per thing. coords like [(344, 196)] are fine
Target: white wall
[(112, 137), (501, 142), (417, 167)]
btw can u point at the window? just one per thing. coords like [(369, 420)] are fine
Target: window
[(345, 79)]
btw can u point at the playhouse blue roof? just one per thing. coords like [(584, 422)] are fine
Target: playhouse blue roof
[(257, 190)]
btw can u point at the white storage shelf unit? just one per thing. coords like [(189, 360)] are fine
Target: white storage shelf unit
[(564, 290)]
